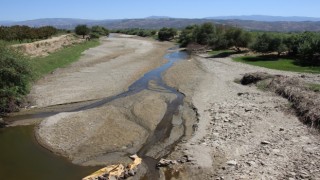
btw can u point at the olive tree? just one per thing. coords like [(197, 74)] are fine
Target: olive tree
[(82, 30)]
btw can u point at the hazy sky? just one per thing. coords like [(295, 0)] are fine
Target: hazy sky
[(116, 9)]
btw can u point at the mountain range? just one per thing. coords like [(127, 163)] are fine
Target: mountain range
[(266, 18), (255, 22)]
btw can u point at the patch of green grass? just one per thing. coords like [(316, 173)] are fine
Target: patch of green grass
[(277, 63), (61, 58), (314, 87)]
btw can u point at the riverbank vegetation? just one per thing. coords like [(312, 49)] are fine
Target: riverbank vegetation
[(22, 34), (137, 32), (18, 71), (15, 76), (44, 65), (285, 51)]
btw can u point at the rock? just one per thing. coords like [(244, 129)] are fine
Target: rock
[(131, 172), (166, 162), (247, 110), (112, 178), (304, 174), (265, 142), (251, 163), (232, 163), (281, 129), (276, 151), (240, 94), (292, 174)]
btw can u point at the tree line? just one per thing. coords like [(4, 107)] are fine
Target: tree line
[(136, 31), (23, 33), (303, 46)]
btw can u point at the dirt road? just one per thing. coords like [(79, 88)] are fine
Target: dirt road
[(243, 132)]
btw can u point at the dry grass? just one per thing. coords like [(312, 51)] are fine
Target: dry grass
[(305, 101)]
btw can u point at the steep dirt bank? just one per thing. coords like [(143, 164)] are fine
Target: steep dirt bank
[(44, 47), (243, 132), (102, 71)]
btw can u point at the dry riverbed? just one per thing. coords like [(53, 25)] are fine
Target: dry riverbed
[(243, 132), (101, 72)]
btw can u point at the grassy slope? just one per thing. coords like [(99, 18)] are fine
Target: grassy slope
[(277, 63), (62, 58)]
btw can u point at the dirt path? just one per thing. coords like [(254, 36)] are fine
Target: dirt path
[(102, 71), (243, 132)]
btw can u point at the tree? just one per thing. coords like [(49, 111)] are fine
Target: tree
[(238, 38), (309, 48), (82, 30), (267, 43), (166, 34), (262, 43), (205, 34), (187, 35)]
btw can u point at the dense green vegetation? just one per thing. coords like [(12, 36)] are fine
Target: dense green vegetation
[(303, 47), (279, 63), (15, 75), (136, 31), (25, 33), (82, 30), (18, 71), (215, 37), (98, 31), (166, 34), (94, 32)]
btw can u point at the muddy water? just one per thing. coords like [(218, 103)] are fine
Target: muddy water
[(23, 158)]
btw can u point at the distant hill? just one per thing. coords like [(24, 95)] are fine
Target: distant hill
[(64, 23), (158, 17), (156, 22), (266, 18)]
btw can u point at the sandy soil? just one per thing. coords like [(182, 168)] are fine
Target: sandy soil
[(102, 71), (243, 132)]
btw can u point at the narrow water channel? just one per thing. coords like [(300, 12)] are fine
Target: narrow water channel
[(22, 158)]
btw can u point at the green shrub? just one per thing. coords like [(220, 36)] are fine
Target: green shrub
[(166, 34), (15, 76)]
